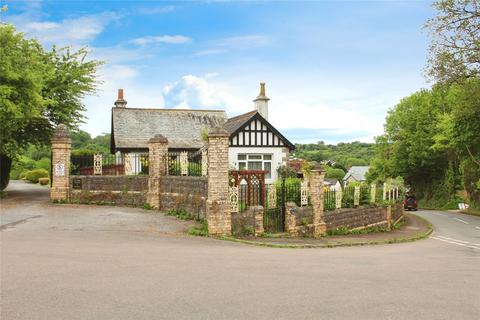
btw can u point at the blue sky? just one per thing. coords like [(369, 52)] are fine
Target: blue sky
[(332, 68)]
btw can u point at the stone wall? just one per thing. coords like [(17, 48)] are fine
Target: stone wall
[(298, 221), (118, 198), (397, 212), (112, 190), (249, 222), (353, 218), (110, 183), (188, 193), (184, 184)]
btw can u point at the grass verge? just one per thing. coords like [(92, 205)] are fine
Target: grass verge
[(415, 237)]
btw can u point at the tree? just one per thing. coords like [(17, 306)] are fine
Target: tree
[(454, 52), (333, 173), (38, 90)]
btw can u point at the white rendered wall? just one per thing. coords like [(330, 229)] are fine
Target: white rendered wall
[(277, 157)]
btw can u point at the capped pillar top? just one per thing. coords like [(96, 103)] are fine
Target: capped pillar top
[(61, 134)]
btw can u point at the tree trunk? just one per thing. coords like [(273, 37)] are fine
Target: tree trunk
[(5, 166)]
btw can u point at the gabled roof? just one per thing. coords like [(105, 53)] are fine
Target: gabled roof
[(236, 124), (357, 172), (330, 181), (133, 127)]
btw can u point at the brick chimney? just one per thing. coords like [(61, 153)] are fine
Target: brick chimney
[(121, 102), (261, 102)]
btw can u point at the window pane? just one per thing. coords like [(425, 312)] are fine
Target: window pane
[(267, 157), (255, 157), (267, 166), (255, 165), (242, 157), (242, 166)]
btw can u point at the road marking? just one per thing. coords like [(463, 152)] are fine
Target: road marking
[(453, 241), (461, 220), (477, 228), (438, 214), (447, 238)]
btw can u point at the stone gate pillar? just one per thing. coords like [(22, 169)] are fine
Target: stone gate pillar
[(157, 167), (61, 148), (218, 209), (316, 197)]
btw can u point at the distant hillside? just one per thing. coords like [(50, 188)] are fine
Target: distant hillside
[(345, 154)]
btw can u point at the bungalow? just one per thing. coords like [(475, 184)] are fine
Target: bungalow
[(254, 144), (356, 173)]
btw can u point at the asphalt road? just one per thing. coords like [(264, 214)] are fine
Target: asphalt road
[(86, 262)]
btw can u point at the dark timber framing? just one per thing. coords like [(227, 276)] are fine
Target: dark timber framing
[(262, 132)]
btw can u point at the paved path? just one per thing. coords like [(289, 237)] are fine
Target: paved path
[(52, 269)]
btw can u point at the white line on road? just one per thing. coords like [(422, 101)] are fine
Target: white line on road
[(447, 238), (477, 228), (461, 220), (438, 214), (457, 243)]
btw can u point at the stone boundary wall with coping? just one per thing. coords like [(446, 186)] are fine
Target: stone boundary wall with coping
[(111, 190), (177, 192), (298, 220), (184, 192), (248, 222)]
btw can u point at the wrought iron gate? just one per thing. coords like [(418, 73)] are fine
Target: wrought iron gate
[(274, 214)]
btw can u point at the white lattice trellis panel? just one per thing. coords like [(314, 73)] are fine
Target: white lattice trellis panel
[(272, 196), (356, 196), (128, 159), (233, 198), (97, 164), (304, 194), (204, 163), (338, 197), (184, 163), (373, 193)]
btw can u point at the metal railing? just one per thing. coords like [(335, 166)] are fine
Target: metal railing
[(109, 164), (184, 163)]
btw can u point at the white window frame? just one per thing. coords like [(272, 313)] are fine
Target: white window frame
[(255, 157)]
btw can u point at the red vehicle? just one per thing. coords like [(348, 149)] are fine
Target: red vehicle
[(410, 203)]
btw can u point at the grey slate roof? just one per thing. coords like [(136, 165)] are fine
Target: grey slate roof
[(133, 127), (357, 172), (235, 123)]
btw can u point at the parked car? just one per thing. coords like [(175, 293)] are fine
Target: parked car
[(410, 202)]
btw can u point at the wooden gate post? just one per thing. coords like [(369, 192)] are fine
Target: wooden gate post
[(316, 196), (61, 147), (219, 216), (157, 167)]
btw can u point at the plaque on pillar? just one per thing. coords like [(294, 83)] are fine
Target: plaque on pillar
[(59, 169)]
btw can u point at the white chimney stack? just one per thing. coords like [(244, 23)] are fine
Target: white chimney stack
[(261, 102), (121, 102)]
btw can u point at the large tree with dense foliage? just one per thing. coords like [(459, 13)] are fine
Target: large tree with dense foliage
[(39, 89), (455, 46), (432, 137)]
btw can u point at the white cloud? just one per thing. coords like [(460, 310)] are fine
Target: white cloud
[(200, 93), (155, 10), (75, 31), (242, 42), (176, 39), (233, 43)]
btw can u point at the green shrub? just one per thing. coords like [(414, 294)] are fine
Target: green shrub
[(181, 214), (23, 175), (201, 231), (44, 181), (36, 174), (147, 206), (248, 230)]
